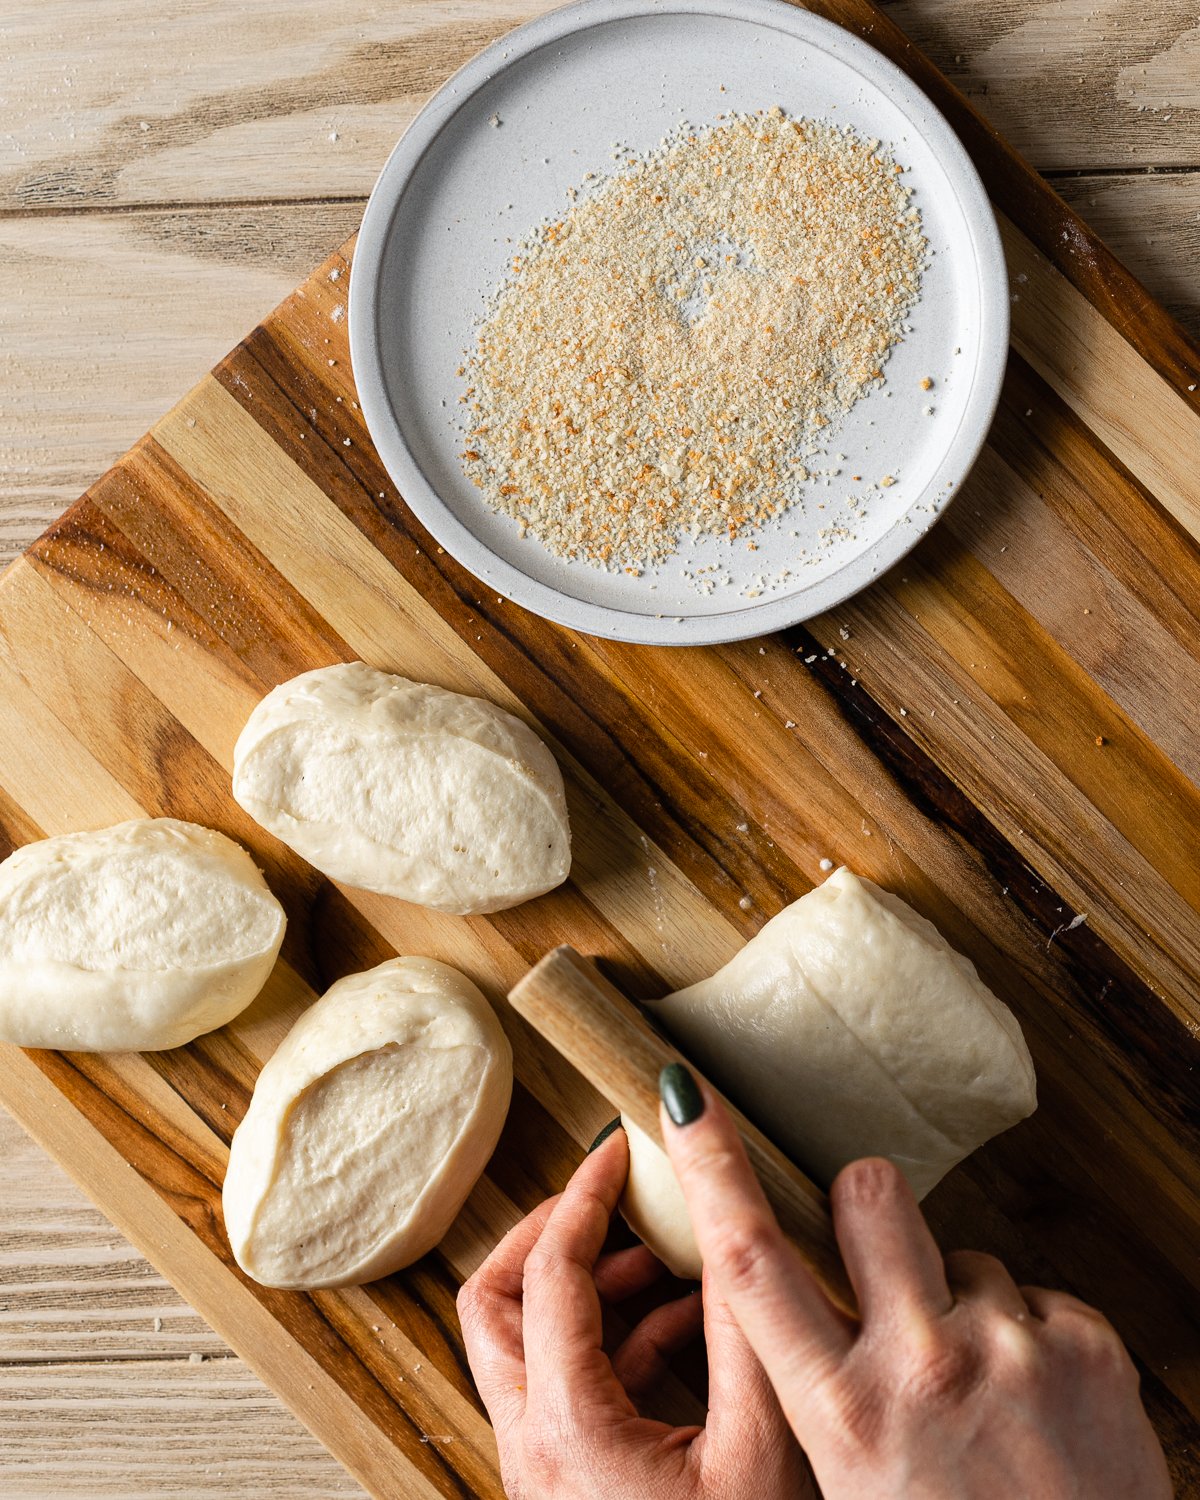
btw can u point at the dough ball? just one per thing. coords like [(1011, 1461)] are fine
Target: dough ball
[(367, 1128), (847, 1027), (135, 938), (653, 1207), (405, 789)]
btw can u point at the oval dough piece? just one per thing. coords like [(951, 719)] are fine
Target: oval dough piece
[(849, 1027), (405, 789), (133, 938), (368, 1127)]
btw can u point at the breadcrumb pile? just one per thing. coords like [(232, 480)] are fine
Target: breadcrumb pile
[(663, 359)]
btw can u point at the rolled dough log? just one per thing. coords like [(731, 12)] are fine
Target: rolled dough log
[(653, 1207), (367, 1128), (405, 789), (133, 938), (847, 1027)]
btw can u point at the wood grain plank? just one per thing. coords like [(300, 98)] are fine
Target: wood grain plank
[(1083, 355), (237, 103), (1151, 220), (180, 288), (110, 1384), (1073, 84), (1143, 665), (955, 718), (1051, 451), (1028, 687), (208, 1429), (73, 1287), (35, 749)]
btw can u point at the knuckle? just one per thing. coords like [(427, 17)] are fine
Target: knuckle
[(942, 1371), (542, 1265), (1015, 1359), (548, 1448), (1099, 1346), (470, 1300), (868, 1182), (479, 1304), (739, 1257), (974, 1263)]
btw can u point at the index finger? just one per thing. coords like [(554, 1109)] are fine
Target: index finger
[(790, 1324)]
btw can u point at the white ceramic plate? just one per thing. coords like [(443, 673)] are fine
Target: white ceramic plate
[(457, 188)]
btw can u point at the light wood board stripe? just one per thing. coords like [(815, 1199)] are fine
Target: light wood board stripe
[(1100, 624), (1073, 346)]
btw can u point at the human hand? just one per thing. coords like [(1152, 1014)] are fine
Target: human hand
[(957, 1384), (566, 1413)]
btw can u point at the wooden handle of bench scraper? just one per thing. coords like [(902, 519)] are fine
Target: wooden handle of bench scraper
[(607, 1039)]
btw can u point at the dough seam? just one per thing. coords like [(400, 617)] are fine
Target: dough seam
[(876, 1059)]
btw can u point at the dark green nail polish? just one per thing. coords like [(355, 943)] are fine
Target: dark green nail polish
[(679, 1093), (604, 1134)]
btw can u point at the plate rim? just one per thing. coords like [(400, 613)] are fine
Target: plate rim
[(759, 617)]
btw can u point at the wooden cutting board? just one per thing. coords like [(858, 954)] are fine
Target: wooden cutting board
[(1002, 731)]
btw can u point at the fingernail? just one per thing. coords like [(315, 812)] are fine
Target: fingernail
[(604, 1134), (679, 1093)]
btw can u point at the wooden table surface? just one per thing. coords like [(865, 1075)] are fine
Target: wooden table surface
[(167, 172)]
